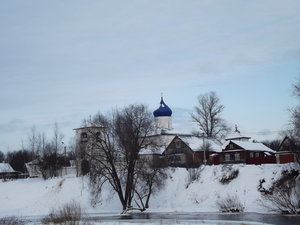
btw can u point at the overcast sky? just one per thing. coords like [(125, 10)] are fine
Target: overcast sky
[(61, 61)]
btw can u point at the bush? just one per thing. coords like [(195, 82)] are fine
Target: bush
[(69, 214), (11, 221), (284, 194), (230, 204), (228, 174), (193, 175)]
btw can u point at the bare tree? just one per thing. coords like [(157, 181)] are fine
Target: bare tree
[(57, 138), (51, 161), (114, 154), (296, 88), (2, 157), (32, 140), (150, 178), (273, 144), (208, 116), (293, 133)]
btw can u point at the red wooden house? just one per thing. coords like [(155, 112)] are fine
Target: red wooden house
[(246, 152)]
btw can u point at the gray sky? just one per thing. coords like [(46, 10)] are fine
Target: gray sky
[(61, 61)]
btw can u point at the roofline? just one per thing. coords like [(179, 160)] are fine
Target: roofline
[(234, 138), (245, 150), (88, 127)]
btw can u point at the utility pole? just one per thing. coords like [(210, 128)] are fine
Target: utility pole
[(65, 150), (204, 150)]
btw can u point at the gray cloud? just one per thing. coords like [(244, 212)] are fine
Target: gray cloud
[(62, 61)]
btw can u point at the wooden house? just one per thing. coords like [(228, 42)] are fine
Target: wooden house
[(179, 150), (188, 151), (7, 172), (246, 152)]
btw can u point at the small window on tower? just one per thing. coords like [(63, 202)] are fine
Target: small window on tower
[(83, 136), (98, 135)]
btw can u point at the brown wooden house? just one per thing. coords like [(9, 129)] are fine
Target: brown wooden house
[(187, 151)]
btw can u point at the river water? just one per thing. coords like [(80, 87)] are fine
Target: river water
[(198, 218), (184, 219)]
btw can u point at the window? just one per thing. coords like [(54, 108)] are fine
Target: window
[(237, 157), (256, 154), (83, 136), (178, 144), (227, 157), (231, 146), (251, 155)]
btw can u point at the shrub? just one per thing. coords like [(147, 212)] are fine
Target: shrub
[(11, 221), (228, 174), (69, 214), (284, 194), (230, 204), (193, 175)]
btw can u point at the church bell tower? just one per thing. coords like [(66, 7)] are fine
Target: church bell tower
[(162, 115)]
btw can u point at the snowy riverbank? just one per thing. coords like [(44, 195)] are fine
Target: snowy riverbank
[(30, 197)]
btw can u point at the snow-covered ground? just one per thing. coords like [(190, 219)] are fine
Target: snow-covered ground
[(35, 196)]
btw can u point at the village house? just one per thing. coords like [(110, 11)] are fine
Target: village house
[(239, 149), (7, 172)]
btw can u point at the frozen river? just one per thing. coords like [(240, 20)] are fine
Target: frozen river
[(199, 218), (189, 219)]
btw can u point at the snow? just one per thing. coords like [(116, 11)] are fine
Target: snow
[(6, 168), (35, 196), (247, 145), (194, 142), (149, 151), (236, 136)]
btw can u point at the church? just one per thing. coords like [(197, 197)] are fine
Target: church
[(171, 148), (174, 149)]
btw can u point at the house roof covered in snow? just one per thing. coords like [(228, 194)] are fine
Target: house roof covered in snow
[(236, 136), (6, 168), (250, 146), (152, 151), (194, 142)]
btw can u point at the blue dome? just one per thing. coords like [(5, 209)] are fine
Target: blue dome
[(163, 110)]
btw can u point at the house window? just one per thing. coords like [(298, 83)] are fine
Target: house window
[(257, 154), (237, 156), (251, 155), (227, 157), (231, 146), (178, 145)]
